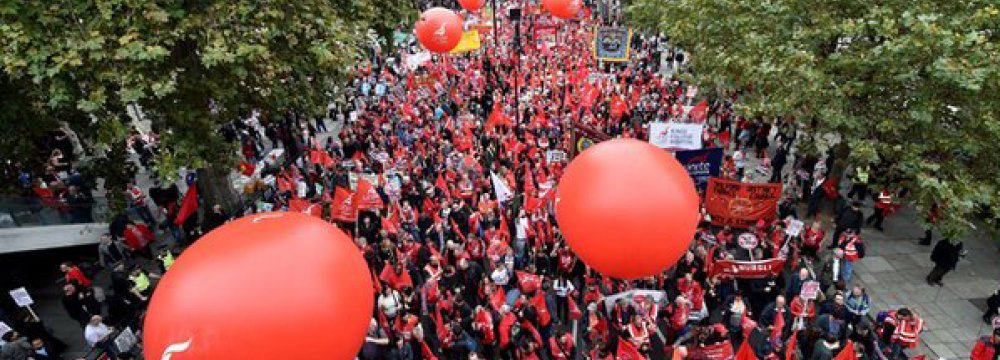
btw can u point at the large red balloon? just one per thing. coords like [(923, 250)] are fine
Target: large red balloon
[(264, 287), (627, 208), (565, 9), (439, 29), (471, 5)]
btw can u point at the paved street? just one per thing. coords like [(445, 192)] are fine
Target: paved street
[(893, 272)]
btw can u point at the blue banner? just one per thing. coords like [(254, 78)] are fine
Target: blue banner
[(701, 164), (613, 44)]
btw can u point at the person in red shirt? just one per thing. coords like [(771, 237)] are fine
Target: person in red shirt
[(987, 347), (138, 237), (74, 275)]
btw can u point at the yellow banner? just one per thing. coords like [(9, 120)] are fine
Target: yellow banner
[(470, 42)]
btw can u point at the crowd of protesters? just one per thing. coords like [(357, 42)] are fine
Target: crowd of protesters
[(463, 274)]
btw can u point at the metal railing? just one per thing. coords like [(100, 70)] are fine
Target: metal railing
[(23, 211)]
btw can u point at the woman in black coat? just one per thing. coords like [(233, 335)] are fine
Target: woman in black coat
[(945, 257)]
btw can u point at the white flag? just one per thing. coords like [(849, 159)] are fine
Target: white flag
[(500, 187)]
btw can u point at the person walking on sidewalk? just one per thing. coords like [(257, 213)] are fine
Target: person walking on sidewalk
[(945, 257), (849, 218), (882, 207)]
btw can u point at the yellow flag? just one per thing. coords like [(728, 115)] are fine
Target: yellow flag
[(470, 41)]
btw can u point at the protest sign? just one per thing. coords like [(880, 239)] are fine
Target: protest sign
[(126, 340), (747, 269), (810, 290), (740, 204), (415, 60), (675, 136), (701, 164), (21, 297), (748, 241), (794, 228), (553, 156), (612, 44)]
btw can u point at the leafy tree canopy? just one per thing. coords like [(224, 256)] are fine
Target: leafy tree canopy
[(190, 65), (912, 86)]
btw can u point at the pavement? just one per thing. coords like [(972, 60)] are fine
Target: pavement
[(893, 273)]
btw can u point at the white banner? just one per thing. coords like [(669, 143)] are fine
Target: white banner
[(675, 136), (415, 60)]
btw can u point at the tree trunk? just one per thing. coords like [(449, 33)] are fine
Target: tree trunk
[(216, 189)]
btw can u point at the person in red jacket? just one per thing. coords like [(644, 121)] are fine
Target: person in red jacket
[(74, 275), (138, 237), (987, 348)]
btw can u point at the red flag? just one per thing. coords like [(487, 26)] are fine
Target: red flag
[(188, 206), (699, 113), (503, 230), (247, 168), (847, 353), (298, 205), (440, 184), (366, 197), (790, 347), (745, 352), (321, 158), (342, 208), (391, 223), (627, 351), (497, 117)]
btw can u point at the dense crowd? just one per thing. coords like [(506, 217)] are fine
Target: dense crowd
[(464, 272)]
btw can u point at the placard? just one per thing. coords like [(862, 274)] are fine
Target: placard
[(675, 135), (794, 228), (747, 269), (810, 290), (748, 241), (126, 340), (21, 297), (720, 351), (552, 156)]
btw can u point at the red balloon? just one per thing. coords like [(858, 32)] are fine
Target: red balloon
[(439, 30), (267, 286), (627, 208), (471, 5), (564, 9)]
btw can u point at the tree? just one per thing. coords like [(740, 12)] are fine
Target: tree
[(190, 66), (913, 87)]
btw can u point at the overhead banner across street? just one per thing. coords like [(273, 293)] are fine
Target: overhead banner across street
[(740, 204)]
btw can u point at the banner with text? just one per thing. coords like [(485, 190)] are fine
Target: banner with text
[(675, 136), (747, 269), (701, 164), (470, 41), (739, 204), (720, 351), (612, 44)]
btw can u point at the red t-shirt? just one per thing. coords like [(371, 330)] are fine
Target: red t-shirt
[(74, 274)]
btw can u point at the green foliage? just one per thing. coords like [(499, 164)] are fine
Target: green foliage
[(189, 65), (913, 86)]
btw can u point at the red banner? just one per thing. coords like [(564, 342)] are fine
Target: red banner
[(740, 204), (720, 351), (747, 269)]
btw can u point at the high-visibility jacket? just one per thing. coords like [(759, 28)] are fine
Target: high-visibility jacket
[(907, 332), (884, 200), (851, 248), (862, 176), (985, 349)]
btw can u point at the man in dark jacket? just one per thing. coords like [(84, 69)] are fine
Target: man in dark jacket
[(849, 217), (945, 257)]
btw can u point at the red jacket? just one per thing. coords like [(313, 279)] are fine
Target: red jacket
[(139, 237), (985, 349)]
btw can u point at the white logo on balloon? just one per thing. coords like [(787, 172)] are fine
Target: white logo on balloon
[(175, 348)]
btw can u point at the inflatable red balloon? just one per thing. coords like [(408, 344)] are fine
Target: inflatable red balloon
[(471, 5), (627, 208), (564, 9), (264, 287), (439, 30)]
